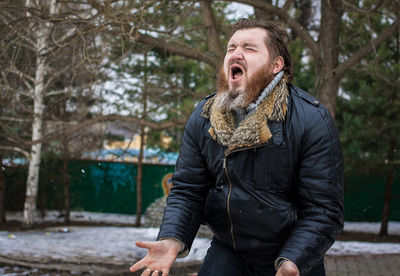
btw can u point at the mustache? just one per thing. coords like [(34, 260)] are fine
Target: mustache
[(238, 62)]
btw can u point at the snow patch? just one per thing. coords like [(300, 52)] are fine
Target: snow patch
[(117, 244)]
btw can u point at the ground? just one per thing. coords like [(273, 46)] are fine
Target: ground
[(103, 244), (367, 237), (16, 226)]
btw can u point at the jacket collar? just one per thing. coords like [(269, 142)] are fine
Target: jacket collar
[(253, 130)]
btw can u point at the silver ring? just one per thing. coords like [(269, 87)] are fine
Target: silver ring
[(148, 269), (156, 271)]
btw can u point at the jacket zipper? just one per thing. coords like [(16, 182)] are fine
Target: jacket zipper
[(228, 208), (230, 191)]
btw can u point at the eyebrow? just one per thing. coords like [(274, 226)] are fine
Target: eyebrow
[(246, 44)]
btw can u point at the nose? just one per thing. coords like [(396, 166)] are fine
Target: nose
[(237, 54)]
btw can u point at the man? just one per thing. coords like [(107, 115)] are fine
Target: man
[(260, 164)]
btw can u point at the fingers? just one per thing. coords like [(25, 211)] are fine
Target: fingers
[(140, 264), (288, 269), (137, 266), (146, 272), (143, 244), (149, 272), (158, 260)]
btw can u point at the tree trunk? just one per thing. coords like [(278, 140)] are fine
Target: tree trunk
[(327, 83), (390, 174), (391, 157), (42, 198), (326, 88), (66, 180), (67, 196), (2, 192), (387, 200), (139, 179), (41, 32), (214, 45), (34, 160)]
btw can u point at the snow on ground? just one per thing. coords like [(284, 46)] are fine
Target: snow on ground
[(86, 244), (371, 227), (122, 219), (53, 216), (363, 248), (102, 244)]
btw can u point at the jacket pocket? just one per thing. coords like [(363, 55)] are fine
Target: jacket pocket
[(215, 212), (271, 168)]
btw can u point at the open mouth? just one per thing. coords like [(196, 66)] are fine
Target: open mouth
[(236, 72)]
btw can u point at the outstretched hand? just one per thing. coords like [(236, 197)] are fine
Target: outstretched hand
[(288, 268), (159, 259)]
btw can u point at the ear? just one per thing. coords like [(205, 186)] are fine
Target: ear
[(277, 65)]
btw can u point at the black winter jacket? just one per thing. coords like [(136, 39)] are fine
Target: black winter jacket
[(280, 199)]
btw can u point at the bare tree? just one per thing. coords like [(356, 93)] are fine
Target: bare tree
[(43, 30)]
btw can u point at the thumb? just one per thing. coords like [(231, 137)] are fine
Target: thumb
[(289, 269), (143, 244)]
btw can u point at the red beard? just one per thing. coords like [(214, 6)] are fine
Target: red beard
[(255, 86)]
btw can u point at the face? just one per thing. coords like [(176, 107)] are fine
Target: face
[(246, 54)]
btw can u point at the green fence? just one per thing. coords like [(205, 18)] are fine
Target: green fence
[(110, 187), (363, 198)]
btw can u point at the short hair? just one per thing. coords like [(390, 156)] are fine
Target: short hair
[(277, 40)]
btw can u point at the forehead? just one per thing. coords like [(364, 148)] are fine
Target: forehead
[(256, 36)]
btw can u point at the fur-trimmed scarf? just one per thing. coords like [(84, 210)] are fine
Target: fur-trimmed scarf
[(253, 130)]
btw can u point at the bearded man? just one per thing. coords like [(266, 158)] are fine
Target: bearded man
[(260, 164)]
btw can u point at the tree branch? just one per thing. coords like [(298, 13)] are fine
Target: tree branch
[(13, 119), (287, 5), (372, 131), (282, 15), (389, 81), (57, 92), (22, 76), (365, 51), (54, 76), (11, 27), (177, 48), (66, 90), (214, 45), (166, 44), (17, 150), (361, 10), (111, 117), (60, 43)]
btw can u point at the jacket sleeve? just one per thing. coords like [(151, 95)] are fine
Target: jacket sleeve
[(190, 182), (319, 193)]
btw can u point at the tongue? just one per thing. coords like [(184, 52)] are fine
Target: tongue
[(237, 75)]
